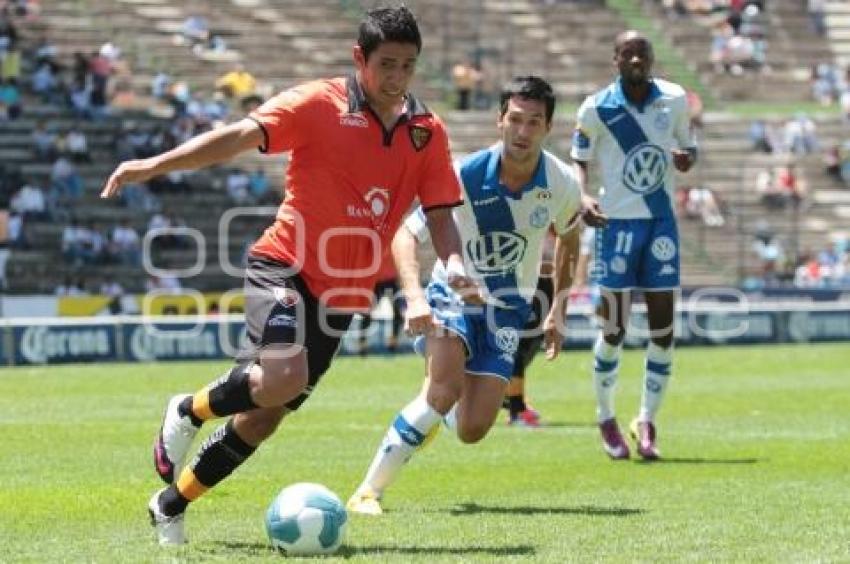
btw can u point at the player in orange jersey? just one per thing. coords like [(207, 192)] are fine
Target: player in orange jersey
[(362, 150)]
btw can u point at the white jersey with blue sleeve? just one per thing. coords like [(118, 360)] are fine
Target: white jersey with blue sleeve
[(633, 145), (503, 232)]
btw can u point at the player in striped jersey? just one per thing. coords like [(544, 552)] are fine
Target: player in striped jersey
[(636, 128)]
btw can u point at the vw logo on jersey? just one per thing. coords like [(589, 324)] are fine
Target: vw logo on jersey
[(645, 169), (539, 217), (497, 252), (663, 248), (507, 339)]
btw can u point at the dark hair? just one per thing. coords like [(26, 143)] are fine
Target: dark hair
[(528, 88), (388, 24)]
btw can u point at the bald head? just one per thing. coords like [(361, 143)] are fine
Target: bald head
[(633, 57), (628, 36)]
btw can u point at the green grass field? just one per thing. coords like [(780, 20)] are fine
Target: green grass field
[(756, 442)]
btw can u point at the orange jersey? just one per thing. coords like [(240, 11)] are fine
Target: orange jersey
[(349, 183)]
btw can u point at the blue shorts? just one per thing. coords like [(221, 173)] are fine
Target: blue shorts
[(490, 347), (637, 253)]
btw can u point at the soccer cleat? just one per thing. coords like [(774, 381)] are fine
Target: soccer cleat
[(365, 502), (530, 417), (173, 441), (169, 530), (643, 433), (612, 440)]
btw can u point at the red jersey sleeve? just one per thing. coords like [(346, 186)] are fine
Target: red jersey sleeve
[(283, 118), (440, 186)]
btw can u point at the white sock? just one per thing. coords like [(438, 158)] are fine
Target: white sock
[(606, 360), (450, 419), (658, 363), (407, 432)]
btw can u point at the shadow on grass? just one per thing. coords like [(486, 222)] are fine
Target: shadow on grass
[(245, 550), (588, 510), (695, 460), (377, 549)]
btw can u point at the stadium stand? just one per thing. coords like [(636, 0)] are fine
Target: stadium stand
[(313, 39)]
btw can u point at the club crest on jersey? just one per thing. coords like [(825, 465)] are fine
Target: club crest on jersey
[(497, 253), (419, 136), (645, 169), (580, 139), (539, 217), (618, 265), (287, 297)]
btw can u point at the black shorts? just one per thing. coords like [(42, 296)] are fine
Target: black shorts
[(533, 330), (279, 309)]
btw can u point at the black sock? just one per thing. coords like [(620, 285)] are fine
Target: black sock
[(171, 503), (220, 455), (516, 405), (185, 409), (231, 394)]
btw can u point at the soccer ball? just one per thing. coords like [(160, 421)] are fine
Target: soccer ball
[(306, 519)]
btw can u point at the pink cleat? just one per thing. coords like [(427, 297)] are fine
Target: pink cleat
[(612, 440), (643, 433), (528, 418)]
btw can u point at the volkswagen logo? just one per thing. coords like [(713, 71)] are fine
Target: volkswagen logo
[(497, 252), (507, 339), (645, 169)]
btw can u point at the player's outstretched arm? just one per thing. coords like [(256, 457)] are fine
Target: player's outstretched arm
[(446, 239), (565, 260), (212, 147)]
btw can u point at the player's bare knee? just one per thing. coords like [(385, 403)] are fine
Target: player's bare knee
[(441, 397), (282, 380), (473, 433)]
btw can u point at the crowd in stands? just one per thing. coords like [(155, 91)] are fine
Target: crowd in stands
[(739, 30)]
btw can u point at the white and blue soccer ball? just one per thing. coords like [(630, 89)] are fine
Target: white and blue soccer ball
[(306, 519)]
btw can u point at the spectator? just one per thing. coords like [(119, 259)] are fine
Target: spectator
[(259, 186), (762, 136), (195, 31), (125, 244), (817, 16), (45, 83), (45, 52), (800, 135), (44, 142), (77, 145), (110, 287), (771, 257), (695, 109), (76, 244), (237, 187), (15, 231), (789, 184), (832, 163), (159, 85), (10, 100), (465, 77), (237, 84), (10, 65), (163, 284), (138, 197), (81, 101), (65, 180), (702, 203), (30, 202)]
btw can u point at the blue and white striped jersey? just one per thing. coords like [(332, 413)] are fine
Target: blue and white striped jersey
[(503, 233), (633, 145)]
